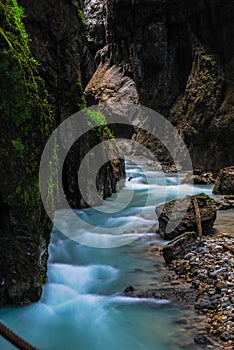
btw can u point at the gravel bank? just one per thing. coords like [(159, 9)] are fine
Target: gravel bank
[(209, 269)]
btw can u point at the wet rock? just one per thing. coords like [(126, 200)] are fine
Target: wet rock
[(204, 304), (171, 168), (178, 294), (203, 340), (129, 289), (226, 203), (150, 163), (222, 270), (181, 213), (178, 247), (205, 178), (225, 336), (212, 276), (224, 183)]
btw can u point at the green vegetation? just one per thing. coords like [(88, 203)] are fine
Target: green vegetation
[(18, 145), (41, 281), (230, 197), (27, 113), (192, 233), (92, 154), (26, 117), (81, 103), (207, 75), (201, 195), (53, 183), (97, 120), (80, 14)]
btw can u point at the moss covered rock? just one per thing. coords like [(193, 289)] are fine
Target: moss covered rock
[(34, 97), (26, 122)]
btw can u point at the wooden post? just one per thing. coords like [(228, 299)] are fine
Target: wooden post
[(198, 216)]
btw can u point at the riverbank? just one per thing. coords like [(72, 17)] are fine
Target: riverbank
[(82, 305), (203, 280), (209, 269)]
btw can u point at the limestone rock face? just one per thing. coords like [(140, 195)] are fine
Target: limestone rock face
[(60, 43), (172, 211), (180, 57), (108, 180), (57, 42), (225, 181), (110, 85)]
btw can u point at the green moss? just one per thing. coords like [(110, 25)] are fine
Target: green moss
[(80, 14), (230, 197), (25, 111), (19, 147), (97, 120), (201, 195), (53, 183), (81, 103), (41, 281), (192, 233), (207, 74), (18, 190), (92, 154), (26, 197)]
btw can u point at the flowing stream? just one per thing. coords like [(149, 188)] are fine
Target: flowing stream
[(82, 306)]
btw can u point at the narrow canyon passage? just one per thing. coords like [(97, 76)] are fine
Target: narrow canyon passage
[(82, 305)]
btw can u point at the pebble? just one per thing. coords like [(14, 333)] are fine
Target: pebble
[(210, 270)]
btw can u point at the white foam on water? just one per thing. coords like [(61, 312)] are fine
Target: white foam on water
[(55, 294), (133, 300), (80, 278), (81, 307)]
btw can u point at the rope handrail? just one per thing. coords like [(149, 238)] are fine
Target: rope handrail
[(14, 339)]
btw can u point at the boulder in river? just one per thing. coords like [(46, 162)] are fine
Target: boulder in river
[(199, 178), (173, 211), (225, 203), (224, 183)]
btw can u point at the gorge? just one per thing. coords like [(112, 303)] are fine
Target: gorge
[(58, 57)]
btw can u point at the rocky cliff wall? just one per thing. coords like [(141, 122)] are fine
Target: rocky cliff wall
[(58, 41), (40, 86), (179, 56), (26, 122)]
